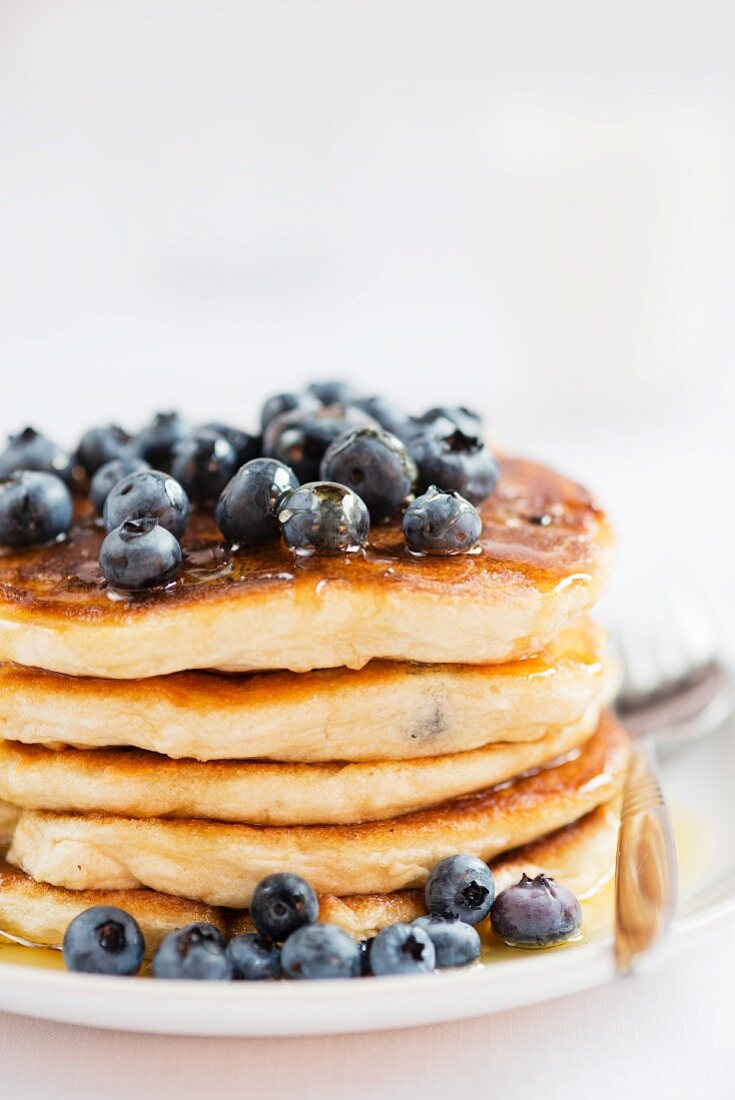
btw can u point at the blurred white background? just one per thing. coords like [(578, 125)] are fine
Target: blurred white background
[(529, 208)]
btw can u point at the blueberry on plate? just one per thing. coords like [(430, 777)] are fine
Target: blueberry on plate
[(203, 463), (441, 522), (246, 510), (194, 953), (103, 940), (323, 518), (299, 438), (402, 949), (453, 460), (254, 958), (100, 445), (156, 440), (148, 494), (320, 951), (456, 943), (535, 912), (34, 508), (282, 903), (30, 450), (332, 392), (281, 403), (106, 478), (376, 466), (460, 888), (139, 554), (245, 445)]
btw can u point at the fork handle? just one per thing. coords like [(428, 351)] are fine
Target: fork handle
[(646, 875)]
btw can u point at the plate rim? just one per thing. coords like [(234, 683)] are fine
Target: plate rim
[(278, 1009)]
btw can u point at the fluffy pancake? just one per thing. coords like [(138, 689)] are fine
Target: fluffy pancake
[(581, 856), (221, 863), (8, 818), (40, 914), (142, 784), (544, 559), (386, 711)]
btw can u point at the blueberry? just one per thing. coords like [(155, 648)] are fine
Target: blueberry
[(139, 554), (103, 940), (34, 508), (196, 953), (101, 445), (320, 951), (365, 947), (203, 463), (456, 943), (332, 392), (148, 493), (246, 510), (106, 478), (402, 949), (299, 438), (281, 903), (455, 461), (441, 522), (30, 450), (254, 958), (535, 913), (436, 419), (323, 518), (375, 465), (460, 888), (245, 445), (387, 415), (156, 441), (281, 403)]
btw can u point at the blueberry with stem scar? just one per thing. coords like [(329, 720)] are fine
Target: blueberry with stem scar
[(536, 912)]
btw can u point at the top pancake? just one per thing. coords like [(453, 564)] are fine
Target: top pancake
[(543, 560)]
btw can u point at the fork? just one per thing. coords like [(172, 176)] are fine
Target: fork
[(675, 688)]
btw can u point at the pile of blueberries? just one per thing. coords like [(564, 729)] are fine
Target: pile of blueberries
[(290, 942), (326, 463)]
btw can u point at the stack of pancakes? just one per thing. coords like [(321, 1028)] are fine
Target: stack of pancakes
[(351, 719)]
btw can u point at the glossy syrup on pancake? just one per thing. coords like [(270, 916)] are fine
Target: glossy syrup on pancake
[(537, 525)]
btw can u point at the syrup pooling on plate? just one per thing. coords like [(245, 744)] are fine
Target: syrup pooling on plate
[(537, 526)]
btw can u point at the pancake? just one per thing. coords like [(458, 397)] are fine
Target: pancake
[(40, 914), (221, 863), (543, 560), (8, 818), (142, 784), (386, 711), (581, 856)]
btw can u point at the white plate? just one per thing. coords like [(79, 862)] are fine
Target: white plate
[(698, 781)]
